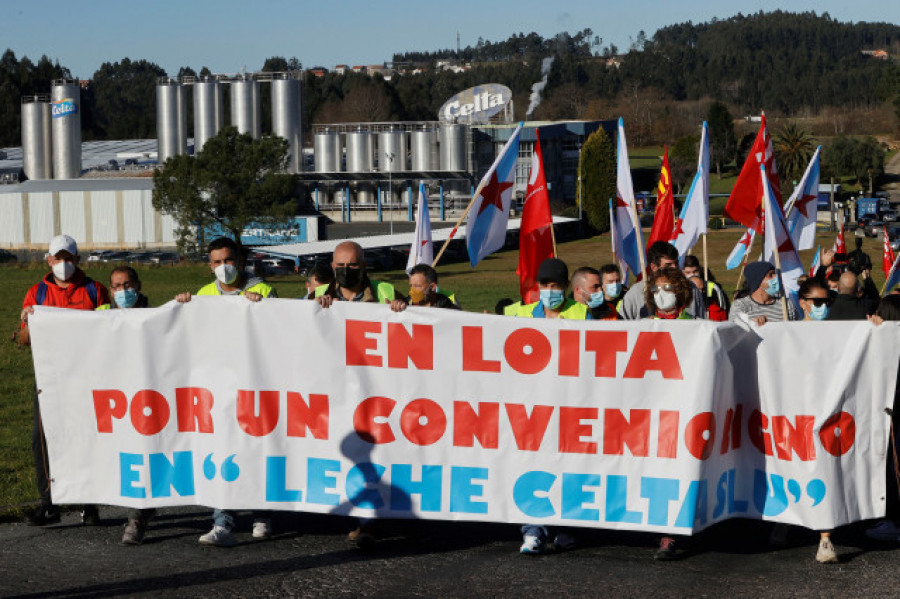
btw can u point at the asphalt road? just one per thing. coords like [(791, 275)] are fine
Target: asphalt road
[(310, 557)]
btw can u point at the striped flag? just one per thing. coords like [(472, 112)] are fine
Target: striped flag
[(740, 250), (422, 249)]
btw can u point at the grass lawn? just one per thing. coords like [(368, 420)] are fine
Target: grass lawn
[(477, 289)]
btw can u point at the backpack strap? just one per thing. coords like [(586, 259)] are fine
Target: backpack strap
[(91, 288), (41, 294)]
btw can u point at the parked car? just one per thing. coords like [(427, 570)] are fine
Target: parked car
[(165, 258), (379, 259), (889, 215), (873, 228), (6, 257), (115, 257)]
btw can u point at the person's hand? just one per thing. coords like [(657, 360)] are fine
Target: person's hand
[(26, 312), (183, 298), (325, 301), (760, 320), (827, 257), (252, 296), (398, 305), (875, 319)]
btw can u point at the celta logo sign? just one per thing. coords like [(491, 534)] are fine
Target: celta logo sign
[(63, 107), (476, 104)]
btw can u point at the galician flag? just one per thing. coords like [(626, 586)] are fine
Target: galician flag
[(778, 238), (817, 259), (617, 243), (422, 249), (536, 231), (489, 211), (803, 204), (695, 212), (740, 249), (627, 226)]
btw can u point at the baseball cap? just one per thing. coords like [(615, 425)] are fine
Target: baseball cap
[(553, 270), (63, 243)]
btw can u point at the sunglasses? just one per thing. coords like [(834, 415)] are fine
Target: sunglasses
[(819, 301), (666, 287)]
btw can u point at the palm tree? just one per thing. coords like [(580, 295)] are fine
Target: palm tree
[(794, 148)]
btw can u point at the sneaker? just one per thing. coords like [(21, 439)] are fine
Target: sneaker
[(666, 551), (884, 531), (220, 537), (134, 532), (532, 545), (563, 542), (262, 528), (90, 515), (44, 515), (826, 553), (779, 535), (363, 536)]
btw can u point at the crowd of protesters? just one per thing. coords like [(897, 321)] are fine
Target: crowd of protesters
[(671, 291)]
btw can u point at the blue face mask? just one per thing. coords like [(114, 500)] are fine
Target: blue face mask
[(125, 298), (595, 299), (552, 298), (612, 289), (819, 312), (773, 287)]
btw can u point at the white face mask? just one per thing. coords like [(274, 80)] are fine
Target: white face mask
[(226, 273), (63, 270), (665, 300)]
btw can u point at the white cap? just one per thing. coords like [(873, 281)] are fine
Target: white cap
[(63, 243)]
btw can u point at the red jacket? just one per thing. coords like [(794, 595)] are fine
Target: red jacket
[(77, 295)]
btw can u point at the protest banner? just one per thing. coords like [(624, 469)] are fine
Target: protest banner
[(437, 414)]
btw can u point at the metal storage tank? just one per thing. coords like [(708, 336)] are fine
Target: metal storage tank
[(168, 119), (245, 107), (359, 160), (422, 142), (182, 93), (37, 154), (65, 111), (453, 147), (208, 111), (327, 151), (393, 142), (286, 111)]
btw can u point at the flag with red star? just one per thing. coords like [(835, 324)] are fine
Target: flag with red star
[(628, 228), (422, 249), (694, 218), (740, 249), (802, 206), (489, 211), (745, 202), (777, 238)]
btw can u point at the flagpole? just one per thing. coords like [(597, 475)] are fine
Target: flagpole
[(458, 223), (640, 240), (705, 262), (553, 237), (744, 264), (777, 253)]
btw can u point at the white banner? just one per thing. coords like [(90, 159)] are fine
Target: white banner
[(436, 414)]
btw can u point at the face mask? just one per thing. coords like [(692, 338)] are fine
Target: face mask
[(416, 295), (226, 273), (612, 289), (665, 300), (773, 287), (595, 299), (552, 298), (819, 312), (63, 270), (125, 298), (347, 277)]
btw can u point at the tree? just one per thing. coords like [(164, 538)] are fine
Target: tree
[(597, 166), (234, 181), (793, 150), (722, 143), (683, 160), (861, 158)]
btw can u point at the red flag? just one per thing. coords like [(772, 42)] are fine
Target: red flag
[(535, 235), (745, 203), (839, 246), (887, 254), (664, 217)]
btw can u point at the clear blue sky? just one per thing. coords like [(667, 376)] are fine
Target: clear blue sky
[(226, 35)]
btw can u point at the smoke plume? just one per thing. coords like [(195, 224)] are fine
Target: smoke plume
[(538, 87)]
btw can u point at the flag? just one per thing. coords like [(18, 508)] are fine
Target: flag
[(740, 250), (664, 215), (893, 277), (887, 254), (422, 249), (803, 204), (839, 246), (695, 212), (817, 259), (617, 243), (745, 203), (489, 210), (628, 227), (777, 238), (535, 233)]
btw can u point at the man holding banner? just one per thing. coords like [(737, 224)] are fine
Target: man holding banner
[(761, 305), (660, 255)]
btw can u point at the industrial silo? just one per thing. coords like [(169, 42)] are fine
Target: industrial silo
[(359, 160), (208, 111), (182, 112), (422, 143), (245, 106), (327, 151), (392, 150), (37, 153), (168, 119), (286, 114), (65, 110), (453, 147)]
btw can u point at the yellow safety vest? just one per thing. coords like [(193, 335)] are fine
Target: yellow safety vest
[(512, 309), (262, 288), (102, 307), (571, 310), (383, 291)]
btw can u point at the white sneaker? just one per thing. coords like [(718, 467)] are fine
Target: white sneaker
[(884, 531), (220, 537), (262, 528), (532, 545), (826, 553)]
